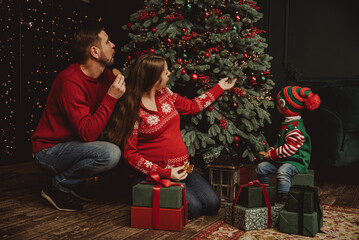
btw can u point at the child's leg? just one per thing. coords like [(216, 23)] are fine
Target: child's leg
[(285, 173), (263, 170)]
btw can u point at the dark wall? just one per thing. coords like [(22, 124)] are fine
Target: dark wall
[(314, 44)]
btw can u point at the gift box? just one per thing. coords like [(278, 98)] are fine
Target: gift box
[(169, 218), (251, 218), (171, 197), (252, 196), (306, 179), (303, 197), (311, 224)]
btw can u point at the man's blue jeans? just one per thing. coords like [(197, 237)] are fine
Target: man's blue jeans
[(73, 162), (283, 171)]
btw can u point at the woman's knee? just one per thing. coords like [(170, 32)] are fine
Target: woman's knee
[(194, 208), (213, 204)]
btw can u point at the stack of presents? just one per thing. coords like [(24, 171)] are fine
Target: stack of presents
[(159, 204), (254, 207)]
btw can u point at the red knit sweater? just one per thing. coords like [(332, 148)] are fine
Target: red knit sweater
[(156, 143), (77, 109)]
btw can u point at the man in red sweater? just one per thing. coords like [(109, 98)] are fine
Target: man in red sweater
[(79, 105)]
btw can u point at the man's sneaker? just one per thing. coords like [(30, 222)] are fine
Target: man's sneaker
[(61, 200), (83, 195)]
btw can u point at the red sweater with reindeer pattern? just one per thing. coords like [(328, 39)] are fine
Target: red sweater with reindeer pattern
[(156, 144)]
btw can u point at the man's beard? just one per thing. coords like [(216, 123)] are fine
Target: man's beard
[(106, 62)]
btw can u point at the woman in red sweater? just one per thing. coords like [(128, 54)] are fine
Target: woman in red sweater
[(152, 138)]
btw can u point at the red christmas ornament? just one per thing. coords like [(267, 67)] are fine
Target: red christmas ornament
[(236, 139), (183, 71), (245, 55), (154, 30), (151, 50), (129, 58), (194, 77), (206, 15), (169, 41), (207, 54), (253, 80), (234, 105), (210, 108), (129, 25), (184, 30), (238, 18)]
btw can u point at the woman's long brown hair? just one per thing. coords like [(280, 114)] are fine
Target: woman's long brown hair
[(143, 75)]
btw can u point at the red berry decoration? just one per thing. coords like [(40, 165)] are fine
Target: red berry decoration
[(238, 18), (154, 30), (151, 50), (234, 105), (169, 41), (236, 139), (210, 108), (194, 77), (253, 80), (207, 54), (184, 30), (206, 15), (245, 55), (129, 25), (183, 71), (129, 58)]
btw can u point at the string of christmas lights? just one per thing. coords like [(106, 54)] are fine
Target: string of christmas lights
[(35, 45)]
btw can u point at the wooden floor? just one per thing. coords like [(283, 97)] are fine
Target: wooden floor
[(24, 214)]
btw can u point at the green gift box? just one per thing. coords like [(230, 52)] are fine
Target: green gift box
[(251, 218), (288, 223), (306, 179), (252, 196), (171, 197), (309, 201)]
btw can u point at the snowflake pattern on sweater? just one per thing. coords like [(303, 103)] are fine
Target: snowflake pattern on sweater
[(156, 143)]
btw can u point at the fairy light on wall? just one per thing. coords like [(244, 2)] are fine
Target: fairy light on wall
[(41, 50), (8, 53)]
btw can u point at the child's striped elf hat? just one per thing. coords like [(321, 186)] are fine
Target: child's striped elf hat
[(298, 99)]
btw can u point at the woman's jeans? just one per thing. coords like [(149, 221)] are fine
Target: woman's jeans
[(201, 197), (283, 171), (73, 162)]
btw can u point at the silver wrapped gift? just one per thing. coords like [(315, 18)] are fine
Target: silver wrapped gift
[(251, 218)]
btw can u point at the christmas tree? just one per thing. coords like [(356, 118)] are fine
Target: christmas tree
[(203, 41)]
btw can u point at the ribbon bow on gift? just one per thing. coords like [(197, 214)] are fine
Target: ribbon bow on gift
[(154, 178), (263, 186)]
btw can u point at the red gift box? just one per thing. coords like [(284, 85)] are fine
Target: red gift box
[(169, 218)]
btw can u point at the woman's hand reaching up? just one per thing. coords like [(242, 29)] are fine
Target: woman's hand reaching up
[(225, 85)]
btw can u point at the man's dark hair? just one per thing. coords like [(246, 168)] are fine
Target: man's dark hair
[(85, 37)]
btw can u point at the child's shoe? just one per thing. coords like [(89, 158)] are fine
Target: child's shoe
[(282, 199)]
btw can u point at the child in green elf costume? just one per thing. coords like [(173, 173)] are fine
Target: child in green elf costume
[(291, 155)]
